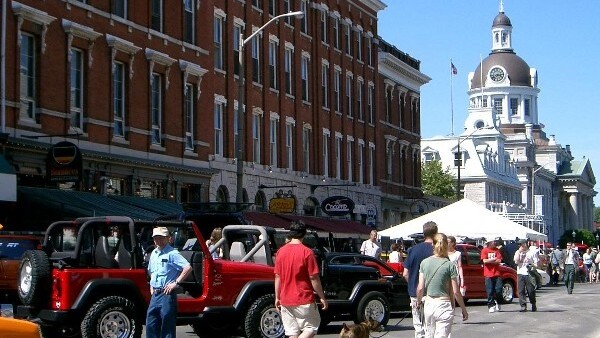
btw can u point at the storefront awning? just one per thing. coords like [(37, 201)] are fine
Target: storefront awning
[(8, 181), (338, 227)]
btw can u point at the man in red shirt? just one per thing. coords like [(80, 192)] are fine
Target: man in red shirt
[(296, 278), (493, 283)]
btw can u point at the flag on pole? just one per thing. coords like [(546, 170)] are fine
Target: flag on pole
[(453, 69)]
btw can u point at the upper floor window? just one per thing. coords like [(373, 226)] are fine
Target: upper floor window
[(304, 20), (498, 105), (304, 70), (273, 7), (156, 108), (371, 164), (218, 41), (326, 154), (256, 137), (514, 106), (119, 99), (156, 15), (274, 124), (324, 26), (359, 54), (361, 162), (287, 7), (273, 52), (335, 32), (527, 107), (288, 68), (189, 22), (371, 103), (359, 99), (388, 103), (349, 94), (325, 85), (256, 68), (306, 149), (218, 126), (237, 31), (369, 43), (350, 150), (257, 4), (76, 77), (189, 115), (289, 145), (119, 8), (347, 38), (338, 157), (337, 79), (28, 75)]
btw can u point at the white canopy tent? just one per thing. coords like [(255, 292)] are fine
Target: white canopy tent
[(465, 218)]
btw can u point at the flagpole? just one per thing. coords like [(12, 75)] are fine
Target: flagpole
[(452, 97)]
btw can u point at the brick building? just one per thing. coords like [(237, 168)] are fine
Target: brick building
[(147, 91)]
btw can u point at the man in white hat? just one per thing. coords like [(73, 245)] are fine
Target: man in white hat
[(167, 268), (526, 260)]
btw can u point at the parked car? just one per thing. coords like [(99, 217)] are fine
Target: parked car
[(12, 248), (473, 272), (16, 328)]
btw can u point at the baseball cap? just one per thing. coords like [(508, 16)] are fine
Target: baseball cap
[(160, 231)]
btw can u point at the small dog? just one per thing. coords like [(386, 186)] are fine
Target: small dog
[(361, 330)]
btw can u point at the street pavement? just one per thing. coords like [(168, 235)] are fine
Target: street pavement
[(559, 315)]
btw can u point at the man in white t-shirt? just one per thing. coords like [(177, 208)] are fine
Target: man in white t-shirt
[(371, 247)]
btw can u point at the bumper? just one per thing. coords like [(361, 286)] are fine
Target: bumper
[(43, 316)]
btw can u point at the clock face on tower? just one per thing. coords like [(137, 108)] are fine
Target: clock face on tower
[(497, 74)]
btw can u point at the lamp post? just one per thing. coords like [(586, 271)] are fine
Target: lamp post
[(573, 233), (240, 112), (597, 239), (458, 158)]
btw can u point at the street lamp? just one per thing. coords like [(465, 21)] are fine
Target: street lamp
[(458, 158), (573, 233), (240, 112), (597, 239)]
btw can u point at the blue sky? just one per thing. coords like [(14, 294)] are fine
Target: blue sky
[(560, 38)]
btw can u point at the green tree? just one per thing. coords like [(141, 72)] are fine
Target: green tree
[(597, 214), (587, 237), (437, 181)]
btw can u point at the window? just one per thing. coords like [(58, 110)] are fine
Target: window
[(370, 103), (388, 102), (347, 33), (369, 51), (304, 69), (119, 99), (156, 15), (324, 26), (257, 4), (289, 145), (218, 40), (287, 7), (388, 160), (156, 107), (218, 125), (349, 94), (28, 74), (288, 57), (359, 99), (485, 102), (119, 8), (337, 79), (350, 150), (325, 85), (372, 164), (306, 149), (527, 107), (338, 156), (514, 106), (498, 105), (402, 103), (189, 115), (273, 7), (76, 77), (359, 55), (256, 76), (188, 21), (335, 34), (237, 31), (256, 138), (273, 141), (326, 154), (304, 20), (273, 64), (361, 169)]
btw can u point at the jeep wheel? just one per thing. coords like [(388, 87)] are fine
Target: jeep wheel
[(373, 305), (34, 278), (508, 291), (113, 316), (263, 320)]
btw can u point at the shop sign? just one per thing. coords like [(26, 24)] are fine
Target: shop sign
[(337, 205), (64, 163), (371, 214), (279, 205)]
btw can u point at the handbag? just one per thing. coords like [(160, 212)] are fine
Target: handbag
[(421, 308)]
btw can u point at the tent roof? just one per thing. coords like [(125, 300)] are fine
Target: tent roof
[(465, 218)]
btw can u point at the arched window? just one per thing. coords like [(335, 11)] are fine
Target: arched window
[(311, 207), (222, 194), (260, 201)]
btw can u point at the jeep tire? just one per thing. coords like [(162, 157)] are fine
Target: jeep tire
[(373, 305), (508, 291), (263, 320), (34, 278), (112, 316)]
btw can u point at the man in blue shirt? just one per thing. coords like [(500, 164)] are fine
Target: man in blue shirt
[(167, 268), (412, 263)]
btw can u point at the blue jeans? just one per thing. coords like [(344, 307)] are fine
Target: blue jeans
[(162, 316), (493, 289)]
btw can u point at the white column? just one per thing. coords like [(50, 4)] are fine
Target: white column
[(573, 210)]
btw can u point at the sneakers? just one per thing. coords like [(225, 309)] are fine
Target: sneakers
[(533, 308), (523, 309), (492, 309), (497, 306)]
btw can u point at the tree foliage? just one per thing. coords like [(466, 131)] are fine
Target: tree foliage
[(581, 235), (437, 181), (597, 214)]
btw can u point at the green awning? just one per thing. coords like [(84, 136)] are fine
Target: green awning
[(163, 207), (5, 167)]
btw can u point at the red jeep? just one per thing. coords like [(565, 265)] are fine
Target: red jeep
[(90, 280)]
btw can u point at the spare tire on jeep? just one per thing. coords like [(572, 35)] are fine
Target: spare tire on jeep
[(34, 278)]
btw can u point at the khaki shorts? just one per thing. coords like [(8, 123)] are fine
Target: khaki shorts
[(297, 319)]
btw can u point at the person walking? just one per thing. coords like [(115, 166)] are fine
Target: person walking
[(587, 263), (493, 283), (371, 247), (525, 260), (395, 255), (558, 262), (455, 257), (412, 263), (438, 289), (167, 268), (296, 281), (571, 264)]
